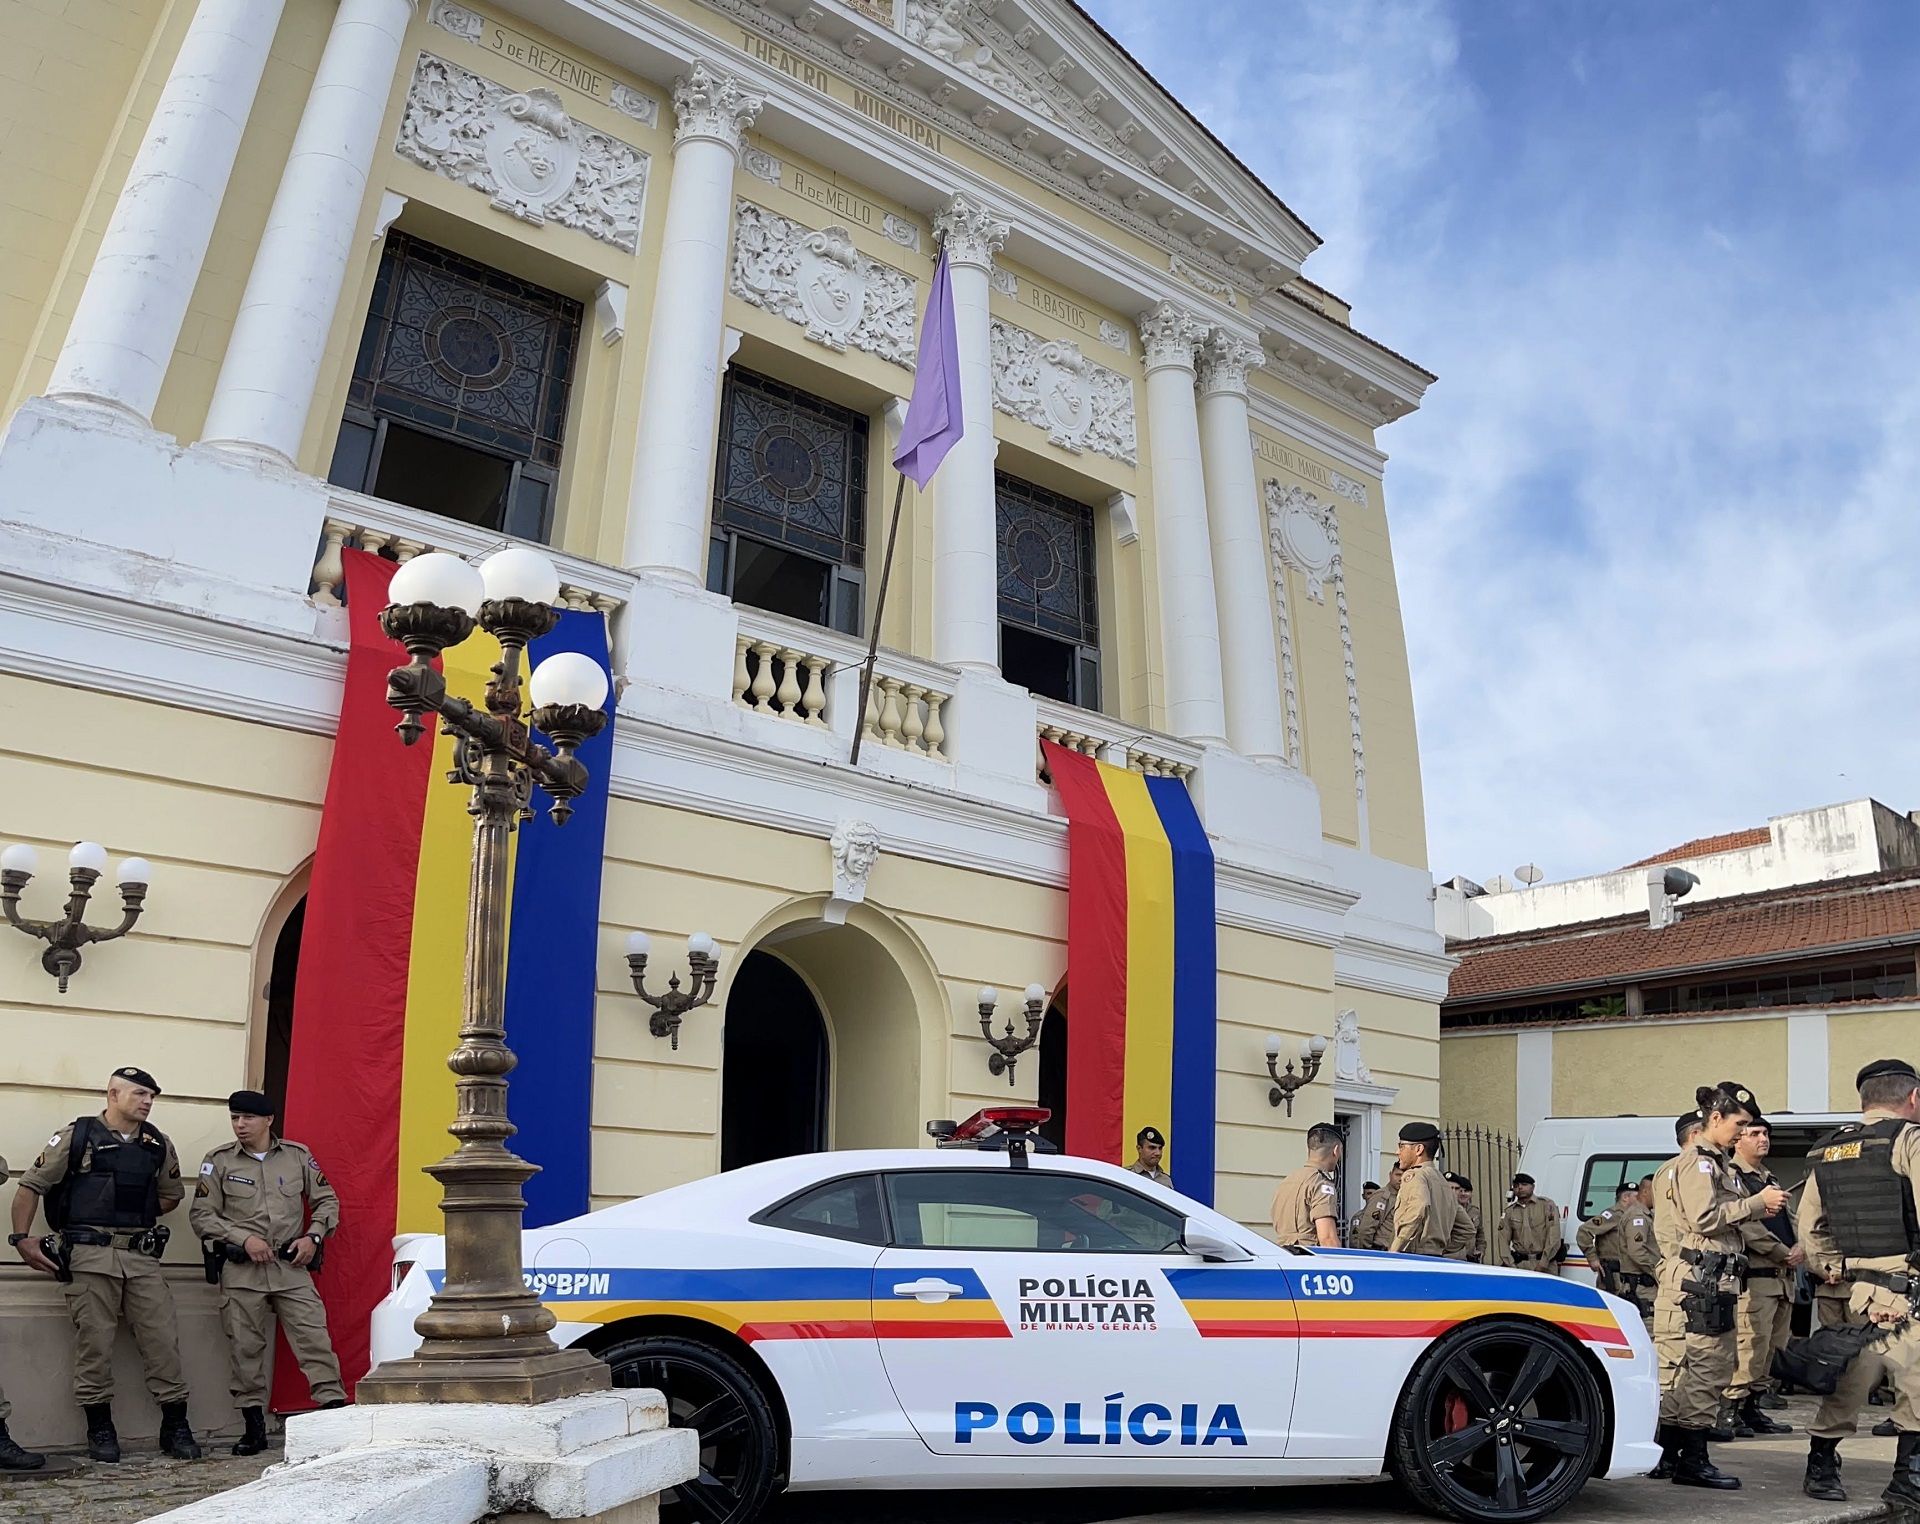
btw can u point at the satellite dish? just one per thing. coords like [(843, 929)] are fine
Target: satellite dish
[(1497, 885), (1528, 874)]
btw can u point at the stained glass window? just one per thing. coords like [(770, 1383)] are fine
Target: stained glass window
[(1046, 561)]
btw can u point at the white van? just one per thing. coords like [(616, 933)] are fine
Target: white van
[(1581, 1162)]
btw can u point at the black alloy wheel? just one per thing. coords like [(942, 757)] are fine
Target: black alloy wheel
[(1501, 1422), (711, 1392)]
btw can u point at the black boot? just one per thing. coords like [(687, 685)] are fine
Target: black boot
[(1669, 1447), (1885, 1429), (1823, 1472), (1726, 1428), (13, 1458), (1903, 1492), (1758, 1421), (102, 1443), (1773, 1402), (255, 1439), (1692, 1468), (176, 1439)]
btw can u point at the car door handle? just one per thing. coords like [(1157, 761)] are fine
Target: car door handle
[(929, 1288)]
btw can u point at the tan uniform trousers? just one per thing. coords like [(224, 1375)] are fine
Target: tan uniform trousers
[(1829, 1310), (1895, 1358), (1763, 1322), (248, 1312), (1694, 1368), (117, 1285)]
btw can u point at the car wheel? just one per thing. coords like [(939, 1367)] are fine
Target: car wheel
[(1501, 1422), (709, 1391)]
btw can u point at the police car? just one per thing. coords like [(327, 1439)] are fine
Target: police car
[(985, 1315)]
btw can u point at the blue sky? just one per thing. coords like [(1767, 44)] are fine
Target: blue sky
[(1654, 526)]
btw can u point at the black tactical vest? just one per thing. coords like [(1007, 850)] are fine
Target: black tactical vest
[(1781, 1223), (112, 1182), (1868, 1207)]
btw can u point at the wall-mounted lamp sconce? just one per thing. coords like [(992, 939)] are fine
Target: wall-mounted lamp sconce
[(703, 966), (1008, 1047), (1284, 1085), (66, 936)]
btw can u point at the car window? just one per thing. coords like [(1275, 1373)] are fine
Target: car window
[(1026, 1209), (848, 1209), (1606, 1173)]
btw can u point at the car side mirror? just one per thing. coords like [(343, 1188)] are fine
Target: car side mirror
[(1199, 1241)]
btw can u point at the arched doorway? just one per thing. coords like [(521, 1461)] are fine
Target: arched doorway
[(277, 1037), (1053, 1071), (773, 1066)]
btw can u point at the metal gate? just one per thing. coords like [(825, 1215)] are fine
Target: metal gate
[(1489, 1159)]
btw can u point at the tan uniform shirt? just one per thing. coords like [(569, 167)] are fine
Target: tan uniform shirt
[(238, 1197), (1424, 1213), (1469, 1242), (1530, 1233), (1823, 1250), (1599, 1239), (1638, 1255), (1708, 1207), (1154, 1173), (1305, 1197), (50, 1168), (1375, 1228)]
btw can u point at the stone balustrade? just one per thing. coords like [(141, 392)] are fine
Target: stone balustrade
[(787, 669), (1098, 736), (366, 523)]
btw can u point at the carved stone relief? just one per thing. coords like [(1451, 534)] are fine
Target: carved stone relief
[(822, 282), (1199, 279), (536, 162), (1347, 487), (1115, 337), (901, 230), (761, 164), (1347, 1062), (936, 26), (1052, 385), (635, 103), (1304, 533), (1004, 281), (856, 851), (456, 19)]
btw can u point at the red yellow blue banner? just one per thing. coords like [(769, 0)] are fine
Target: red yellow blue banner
[(377, 1003), (1142, 967)]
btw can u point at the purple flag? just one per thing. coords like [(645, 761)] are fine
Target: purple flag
[(934, 423)]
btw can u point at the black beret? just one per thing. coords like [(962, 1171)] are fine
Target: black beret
[(140, 1077), (249, 1103), (1149, 1135), (1371, 1185), (1523, 1180), (1763, 1124), (1685, 1123), (1882, 1066), (1419, 1132), (1460, 1180), (1741, 1094)]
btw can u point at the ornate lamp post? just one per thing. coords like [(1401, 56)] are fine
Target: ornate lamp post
[(66, 936), (485, 1332), (1284, 1085), (703, 967), (1008, 1048)]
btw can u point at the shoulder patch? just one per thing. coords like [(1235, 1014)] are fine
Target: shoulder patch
[(1326, 1190), (206, 1167), (319, 1175), (200, 1189), (1706, 1166), (54, 1141)]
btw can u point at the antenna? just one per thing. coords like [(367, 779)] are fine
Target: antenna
[(1528, 874)]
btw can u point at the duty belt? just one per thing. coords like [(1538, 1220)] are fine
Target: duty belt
[(1762, 1273), (1899, 1282)]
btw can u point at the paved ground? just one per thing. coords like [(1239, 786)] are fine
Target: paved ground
[(74, 1491)]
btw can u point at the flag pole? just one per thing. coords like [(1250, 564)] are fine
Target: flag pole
[(873, 639)]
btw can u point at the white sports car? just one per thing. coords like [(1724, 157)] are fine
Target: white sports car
[(982, 1318)]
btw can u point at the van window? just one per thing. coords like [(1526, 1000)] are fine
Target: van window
[(1606, 1173)]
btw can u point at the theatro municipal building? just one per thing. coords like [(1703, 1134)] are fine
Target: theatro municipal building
[(298, 290)]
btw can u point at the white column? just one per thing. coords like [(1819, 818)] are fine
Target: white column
[(128, 320), (966, 564), (1189, 623), (279, 340), (1249, 663), (667, 506)]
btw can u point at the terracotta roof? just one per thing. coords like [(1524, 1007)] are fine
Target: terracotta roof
[(1706, 846), (1774, 926)]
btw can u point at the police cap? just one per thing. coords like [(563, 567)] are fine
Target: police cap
[(136, 1076), (1686, 1122), (1882, 1066), (249, 1103), (1150, 1135), (1523, 1180), (1460, 1180), (1741, 1094), (1371, 1185), (1420, 1132)]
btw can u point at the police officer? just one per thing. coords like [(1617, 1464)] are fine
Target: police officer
[(267, 1207), (1639, 1254), (1376, 1220), (1599, 1239), (12, 1457), (1306, 1208), (1860, 1211), (1666, 1238), (1149, 1146), (107, 1181), (1367, 1193), (1693, 1313), (1469, 1243), (1426, 1208), (1529, 1230), (1764, 1314)]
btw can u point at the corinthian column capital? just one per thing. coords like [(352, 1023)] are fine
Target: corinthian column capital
[(1169, 335), (1225, 359), (969, 232), (715, 106)]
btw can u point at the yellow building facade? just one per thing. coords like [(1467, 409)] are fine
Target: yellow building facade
[(633, 246)]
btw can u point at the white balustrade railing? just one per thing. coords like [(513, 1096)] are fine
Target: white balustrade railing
[(367, 523), (791, 670), (1100, 736)]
